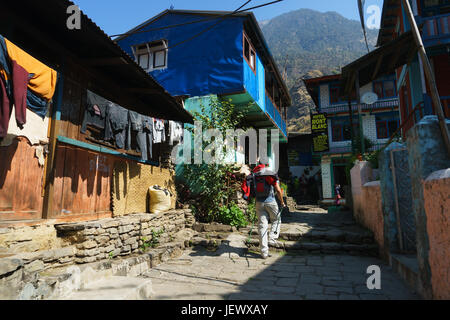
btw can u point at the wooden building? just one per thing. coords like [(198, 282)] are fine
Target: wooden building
[(72, 175)]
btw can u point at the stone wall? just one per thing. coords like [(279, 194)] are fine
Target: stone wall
[(93, 241), (17, 239), (427, 154), (437, 207)]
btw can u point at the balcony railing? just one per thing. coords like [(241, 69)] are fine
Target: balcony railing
[(339, 108), (275, 115), (435, 28)]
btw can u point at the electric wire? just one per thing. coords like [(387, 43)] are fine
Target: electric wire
[(196, 21)]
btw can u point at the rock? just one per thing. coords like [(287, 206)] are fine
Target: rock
[(69, 227), (102, 240), (34, 266), (89, 244), (110, 224), (90, 231), (125, 228), (9, 265)]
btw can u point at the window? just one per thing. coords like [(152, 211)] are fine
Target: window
[(341, 129), (382, 131), (386, 126), (392, 127), (334, 95), (252, 59), (336, 133), (152, 56), (389, 89), (385, 89), (159, 59), (249, 53)]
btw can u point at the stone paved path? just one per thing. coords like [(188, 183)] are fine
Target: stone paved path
[(232, 273)]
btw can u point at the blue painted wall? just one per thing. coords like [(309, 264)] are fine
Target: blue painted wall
[(211, 63), (255, 84)]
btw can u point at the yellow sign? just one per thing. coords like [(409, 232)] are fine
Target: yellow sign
[(319, 123), (320, 143)]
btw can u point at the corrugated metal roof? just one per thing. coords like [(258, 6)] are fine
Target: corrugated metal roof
[(41, 28)]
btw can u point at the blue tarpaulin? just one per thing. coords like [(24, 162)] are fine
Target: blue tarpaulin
[(210, 63)]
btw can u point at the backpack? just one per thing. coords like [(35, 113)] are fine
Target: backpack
[(256, 182)]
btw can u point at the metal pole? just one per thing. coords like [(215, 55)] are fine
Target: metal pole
[(429, 75)]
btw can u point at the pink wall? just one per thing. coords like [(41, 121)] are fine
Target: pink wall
[(371, 213), (437, 208)]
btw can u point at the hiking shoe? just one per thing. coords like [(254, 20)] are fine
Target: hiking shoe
[(265, 256)]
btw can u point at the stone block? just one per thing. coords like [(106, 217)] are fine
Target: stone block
[(101, 240), (34, 266), (89, 244), (130, 241), (90, 231), (125, 228), (110, 224), (113, 230)]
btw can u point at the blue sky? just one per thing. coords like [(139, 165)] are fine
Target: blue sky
[(118, 16)]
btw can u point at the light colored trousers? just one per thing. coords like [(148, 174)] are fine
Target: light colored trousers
[(268, 211)]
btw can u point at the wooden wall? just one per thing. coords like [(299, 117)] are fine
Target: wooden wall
[(81, 184), (20, 182), (78, 181)]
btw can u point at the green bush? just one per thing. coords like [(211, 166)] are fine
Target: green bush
[(232, 216), (251, 211), (372, 158)]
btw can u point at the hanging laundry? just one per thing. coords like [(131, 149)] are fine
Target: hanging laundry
[(5, 108), (142, 126), (44, 78), (95, 112), (37, 104), (135, 130), (175, 132), (20, 79), (159, 131), (117, 125)]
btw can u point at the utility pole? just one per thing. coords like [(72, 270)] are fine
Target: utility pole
[(429, 74)]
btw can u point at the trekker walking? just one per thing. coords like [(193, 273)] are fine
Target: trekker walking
[(263, 184)]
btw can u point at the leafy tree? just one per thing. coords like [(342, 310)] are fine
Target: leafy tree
[(213, 186)]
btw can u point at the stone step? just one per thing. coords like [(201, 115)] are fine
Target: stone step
[(318, 247), (56, 283), (333, 235), (114, 288)]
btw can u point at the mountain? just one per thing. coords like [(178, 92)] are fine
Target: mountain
[(307, 43)]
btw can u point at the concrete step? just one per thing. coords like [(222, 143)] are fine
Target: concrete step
[(114, 288), (318, 247)]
